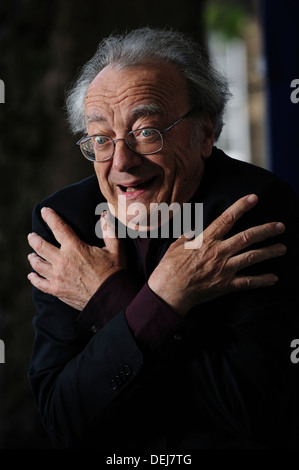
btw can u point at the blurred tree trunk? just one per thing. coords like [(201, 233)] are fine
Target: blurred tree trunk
[(42, 45)]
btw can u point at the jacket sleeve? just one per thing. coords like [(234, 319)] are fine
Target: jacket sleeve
[(74, 373)]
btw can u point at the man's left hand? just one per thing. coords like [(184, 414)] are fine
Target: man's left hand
[(76, 270)]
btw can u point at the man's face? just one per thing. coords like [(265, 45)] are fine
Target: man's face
[(119, 101)]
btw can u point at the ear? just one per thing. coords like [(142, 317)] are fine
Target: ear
[(208, 138)]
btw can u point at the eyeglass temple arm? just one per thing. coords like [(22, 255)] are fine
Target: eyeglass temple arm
[(176, 122)]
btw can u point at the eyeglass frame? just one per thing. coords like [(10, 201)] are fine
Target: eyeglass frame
[(83, 139)]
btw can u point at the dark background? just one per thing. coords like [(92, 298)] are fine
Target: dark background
[(42, 45)]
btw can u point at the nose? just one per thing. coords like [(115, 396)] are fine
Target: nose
[(124, 158)]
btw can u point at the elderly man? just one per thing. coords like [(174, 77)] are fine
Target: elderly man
[(175, 342)]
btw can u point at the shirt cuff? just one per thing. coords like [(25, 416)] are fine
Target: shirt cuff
[(152, 320), (111, 297)]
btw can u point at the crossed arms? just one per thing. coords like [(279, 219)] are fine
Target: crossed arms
[(75, 271), (71, 372)]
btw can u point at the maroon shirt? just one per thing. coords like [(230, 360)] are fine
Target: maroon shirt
[(149, 318)]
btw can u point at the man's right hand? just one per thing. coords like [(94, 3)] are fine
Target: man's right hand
[(209, 267), (75, 271)]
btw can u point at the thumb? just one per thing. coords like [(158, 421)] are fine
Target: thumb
[(108, 231), (61, 231)]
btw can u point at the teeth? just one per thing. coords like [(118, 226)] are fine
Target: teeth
[(132, 189)]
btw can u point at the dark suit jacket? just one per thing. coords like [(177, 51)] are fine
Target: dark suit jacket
[(223, 379)]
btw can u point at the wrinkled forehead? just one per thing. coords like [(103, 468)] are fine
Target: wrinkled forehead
[(155, 87)]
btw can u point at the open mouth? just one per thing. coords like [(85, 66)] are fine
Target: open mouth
[(144, 185)]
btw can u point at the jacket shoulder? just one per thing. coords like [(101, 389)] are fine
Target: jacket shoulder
[(236, 178), (74, 194), (226, 179)]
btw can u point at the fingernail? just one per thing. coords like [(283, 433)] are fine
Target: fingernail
[(281, 249), (44, 210), (252, 198), (279, 227), (273, 279)]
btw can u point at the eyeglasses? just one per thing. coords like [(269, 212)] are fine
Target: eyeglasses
[(145, 141)]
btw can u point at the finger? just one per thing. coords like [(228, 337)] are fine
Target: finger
[(43, 248), (250, 236), (253, 282), (224, 223), (42, 267), (61, 231), (255, 256), (39, 282), (108, 230)]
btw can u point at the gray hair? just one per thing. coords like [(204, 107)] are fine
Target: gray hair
[(208, 89)]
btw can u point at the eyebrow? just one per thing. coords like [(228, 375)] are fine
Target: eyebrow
[(94, 118), (141, 110), (148, 109)]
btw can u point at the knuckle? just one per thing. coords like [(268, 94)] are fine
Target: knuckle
[(227, 217), (217, 254), (39, 243), (246, 237), (250, 257), (38, 260), (248, 282), (35, 263), (217, 263)]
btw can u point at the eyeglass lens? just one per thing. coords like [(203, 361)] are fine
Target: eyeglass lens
[(143, 141)]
